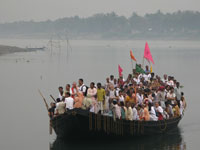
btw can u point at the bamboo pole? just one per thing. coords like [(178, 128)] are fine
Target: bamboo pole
[(47, 107), (53, 98), (132, 66)]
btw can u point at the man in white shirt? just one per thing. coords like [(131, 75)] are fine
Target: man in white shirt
[(82, 87), (164, 80), (171, 97), (135, 113), (69, 101)]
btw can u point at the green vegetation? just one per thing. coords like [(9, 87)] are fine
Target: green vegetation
[(181, 24)]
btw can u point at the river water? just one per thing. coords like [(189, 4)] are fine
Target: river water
[(24, 121)]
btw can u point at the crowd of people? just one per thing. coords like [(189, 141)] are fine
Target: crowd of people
[(142, 96)]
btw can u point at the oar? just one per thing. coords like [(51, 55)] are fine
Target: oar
[(53, 98), (47, 107)]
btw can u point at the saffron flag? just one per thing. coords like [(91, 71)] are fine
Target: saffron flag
[(120, 70), (147, 53), (132, 57), (139, 69)]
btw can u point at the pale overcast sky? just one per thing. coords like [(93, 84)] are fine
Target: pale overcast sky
[(14, 10)]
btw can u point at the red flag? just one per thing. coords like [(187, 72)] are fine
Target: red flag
[(147, 53), (120, 70), (132, 57)]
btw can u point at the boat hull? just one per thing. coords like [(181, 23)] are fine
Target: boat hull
[(81, 123)]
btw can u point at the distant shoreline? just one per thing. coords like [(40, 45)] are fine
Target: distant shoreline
[(11, 49)]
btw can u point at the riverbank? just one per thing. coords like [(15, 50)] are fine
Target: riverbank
[(11, 49)]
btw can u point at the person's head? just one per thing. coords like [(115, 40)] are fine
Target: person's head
[(120, 92), (157, 104), (177, 84), (114, 102), (132, 105), (150, 105), (68, 87), (146, 102), (98, 85), (115, 81), (80, 81), (112, 77), (60, 89), (152, 75), (68, 94), (165, 76), (107, 80), (171, 90), (74, 84), (122, 104), (52, 104), (169, 78), (112, 87), (128, 104), (58, 100), (92, 85), (130, 76), (147, 68)]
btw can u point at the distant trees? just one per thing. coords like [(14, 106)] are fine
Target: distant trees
[(111, 25)]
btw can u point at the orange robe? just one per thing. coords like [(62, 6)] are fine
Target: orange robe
[(78, 100), (146, 115)]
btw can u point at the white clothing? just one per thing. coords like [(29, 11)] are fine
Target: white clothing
[(135, 114), (60, 107), (140, 98), (121, 98), (171, 95), (153, 114), (159, 109), (60, 96), (129, 113), (82, 88), (118, 111), (69, 101), (181, 107)]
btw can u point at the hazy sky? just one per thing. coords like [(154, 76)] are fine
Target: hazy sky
[(14, 10)]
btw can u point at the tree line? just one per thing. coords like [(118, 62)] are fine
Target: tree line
[(178, 24)]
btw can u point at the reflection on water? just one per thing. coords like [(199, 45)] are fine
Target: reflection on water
[(169, 141)]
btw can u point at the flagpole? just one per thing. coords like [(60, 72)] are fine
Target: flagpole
[(143, 63), (132, 65)]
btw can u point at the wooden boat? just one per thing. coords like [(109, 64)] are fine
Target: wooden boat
[(82, 123), (173, 140)]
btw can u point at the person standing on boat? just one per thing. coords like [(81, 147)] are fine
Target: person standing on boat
[(129, 112), (164, 80), (92, 93), (161, 96), (171, 96), (82, 87), (135, 113), (74, 90), (60, 95), (67, 89), (152, 113), (100, 97), (60, 108), (159, 111), (112, 79), (51, 110), (69, 101)]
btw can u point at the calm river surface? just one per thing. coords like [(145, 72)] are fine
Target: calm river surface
[(24, 120)]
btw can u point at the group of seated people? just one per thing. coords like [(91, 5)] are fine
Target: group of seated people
[(142, 96)]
